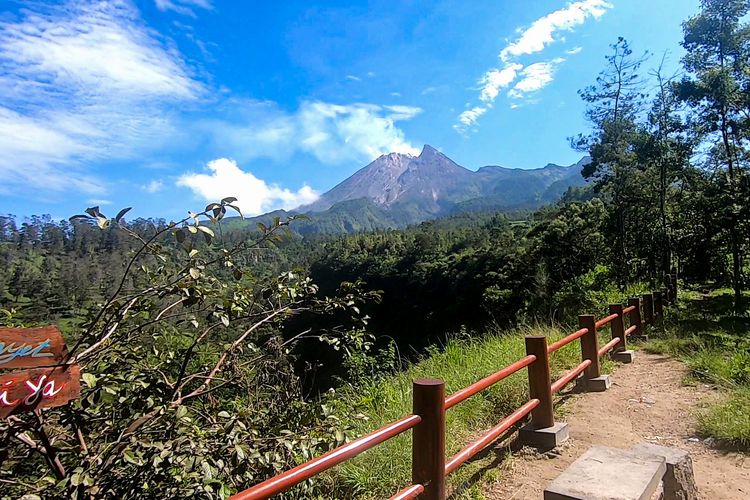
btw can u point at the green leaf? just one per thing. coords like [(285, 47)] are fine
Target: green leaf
[(131, 457), (194, 273), (206, 230), (192, 229), (89, 379), (229, 199), (121, 213), (236, 209), (225, 319), (179, 235)]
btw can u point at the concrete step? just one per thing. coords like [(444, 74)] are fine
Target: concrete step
[(604, 473)]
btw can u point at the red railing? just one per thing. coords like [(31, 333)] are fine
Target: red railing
[(429, 467)]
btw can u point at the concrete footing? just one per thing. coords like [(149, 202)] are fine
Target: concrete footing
[(679, 480), (545, 438), (598, 384), (623, 356)]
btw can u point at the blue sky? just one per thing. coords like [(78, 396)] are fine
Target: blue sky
[(166, 104)]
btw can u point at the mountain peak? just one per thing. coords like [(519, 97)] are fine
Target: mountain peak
[(431, 183), (428, 150)]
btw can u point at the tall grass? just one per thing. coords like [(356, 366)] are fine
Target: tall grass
[(714, 342), (387, 468)]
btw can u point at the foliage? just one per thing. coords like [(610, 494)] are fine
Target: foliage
[(189, 386)]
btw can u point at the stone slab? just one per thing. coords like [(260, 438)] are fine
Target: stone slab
[(604, 473), (598, 384), (623, 356), (679, 480), (545, 438)]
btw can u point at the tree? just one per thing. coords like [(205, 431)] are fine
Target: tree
[(614, 103), (189, 386), (664, 149), (717, 44)]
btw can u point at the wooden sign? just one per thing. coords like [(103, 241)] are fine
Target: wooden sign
[(28, 390), (30, 347)]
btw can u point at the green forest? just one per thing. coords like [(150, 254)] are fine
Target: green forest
[(218, 351)]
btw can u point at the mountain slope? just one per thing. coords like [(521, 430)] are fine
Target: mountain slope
[(397, 190), (400, 178)]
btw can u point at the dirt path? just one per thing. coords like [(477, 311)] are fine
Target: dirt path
[(647, 402)]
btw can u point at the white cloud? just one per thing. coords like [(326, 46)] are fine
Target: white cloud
[(80, 82), (574, 51), (37, 154), (400, 112), (535, 77), (98, 202), (154, 186), (254, 196), (183, 6), (531, 40), (353, 78), (96, 48), (332, 133), (542, 31), (495, 79), (469, 118)]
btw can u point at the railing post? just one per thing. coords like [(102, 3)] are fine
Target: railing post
[(540, 382), (620, 352), (428, 438), (635, 316), (542, 431), (648, 308), (592, 377), (590, 345)]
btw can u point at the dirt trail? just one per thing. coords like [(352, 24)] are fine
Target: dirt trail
[(647, 402)]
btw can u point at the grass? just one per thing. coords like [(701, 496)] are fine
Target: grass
[(714, 341), (387, 468), (729, 421)]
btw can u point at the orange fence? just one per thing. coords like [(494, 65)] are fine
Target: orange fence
[(429, 465)]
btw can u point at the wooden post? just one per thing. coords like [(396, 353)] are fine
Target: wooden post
[(674, 287), (590, 345), (540, 383), (659, 306), (635, 316), (618, 328), (648, 308), (428, 438)]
